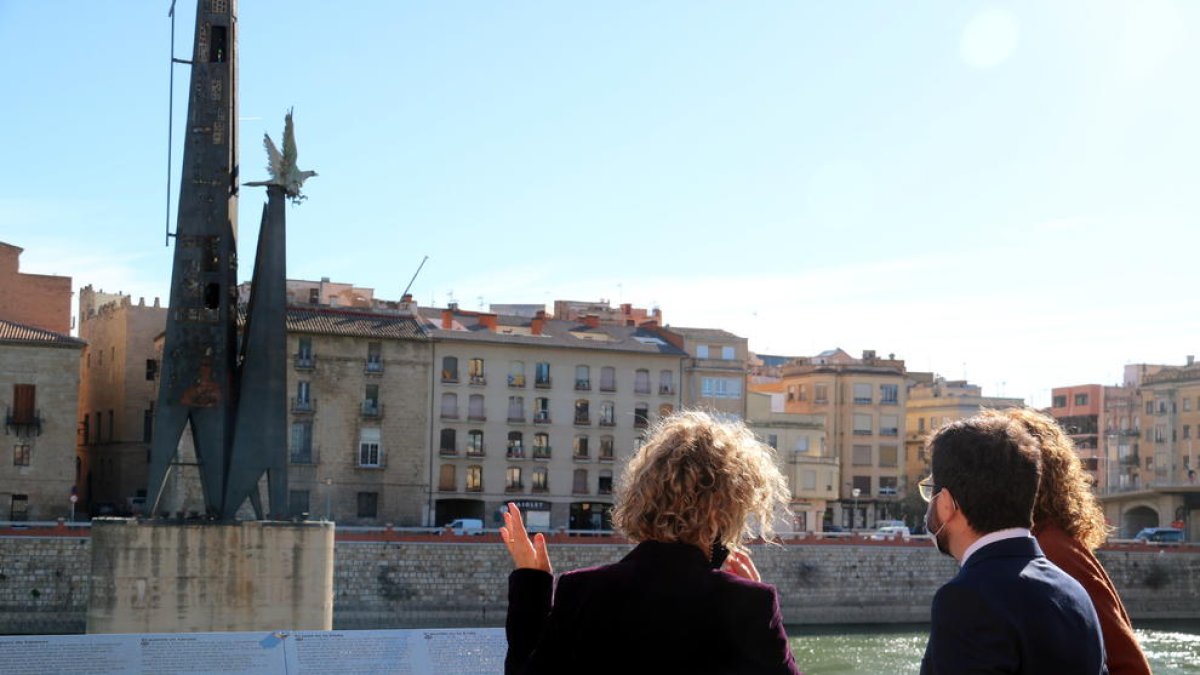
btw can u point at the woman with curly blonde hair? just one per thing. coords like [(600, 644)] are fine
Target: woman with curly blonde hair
[(1069, 525), (687, 598)]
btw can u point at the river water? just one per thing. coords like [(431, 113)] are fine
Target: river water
[(1172, 647)]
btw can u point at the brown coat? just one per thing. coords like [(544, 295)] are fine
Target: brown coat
[(1121, 647)]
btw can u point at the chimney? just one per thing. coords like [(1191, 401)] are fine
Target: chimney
[(447, 319), (535, 326), (1191, 359), (868, 354), (406, 298), (593, 321), (488, 321), (657, 313), (141, 301), (156, 302)]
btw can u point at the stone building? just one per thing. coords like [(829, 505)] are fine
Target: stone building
[(36, 300), (540, 411), (39, 393), (862, 403), (812, 470), (715, 372), (117, 373)]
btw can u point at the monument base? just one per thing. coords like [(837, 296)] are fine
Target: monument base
[(170, 577)]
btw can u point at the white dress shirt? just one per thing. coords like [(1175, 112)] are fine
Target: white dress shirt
[(993, 537)]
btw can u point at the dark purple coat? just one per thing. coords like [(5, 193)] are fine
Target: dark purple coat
[(661, 609)]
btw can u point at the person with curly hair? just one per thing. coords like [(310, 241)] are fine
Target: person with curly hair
[(687, 598), (1069, 524)]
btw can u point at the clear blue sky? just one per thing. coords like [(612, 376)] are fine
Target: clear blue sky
[(1002, 190)]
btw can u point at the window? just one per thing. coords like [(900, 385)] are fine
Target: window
[(516, 445), (541, 446), (111, 426), (580, 447), (607, 414), (368, 504), (889, 394), (475, 371), (151, 369), (474, 478), (370, 404), (641, 381), (1187, 404), (727, 353), (516, 374), (808, 479), (862, 393), (863, 484), (1060, 401), (862, 455), (889, 456), (449, 406), (606, 448), (304, 350), (516, 408), (888, 486), (449, 369), (541, 410), (20, 508), (541, 375), (21, 454), (512, 479), (24, 410), (301, 446), (721, 387), (801, 444), (702, 351), (374, 357), (920, 424), (541, 479), (475, 443), (773, 441), (369, 454), (862, 425), (1149, 407), (641, 415), (802, 392), (583, 379), (582, 414), (1187, 431), (147, 424), (889, 425), (447, 481), (297, 502), (820, 393), (666, 382), (1081, 399), (448, 444), (303, 395), (475, 408), (314, 296), (606, 483), (608, 378), (579, 485)]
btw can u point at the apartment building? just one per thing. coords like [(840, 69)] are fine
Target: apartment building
[(1080, 410), (540, 411), (39, 393), (934, 401), (812, 470), (117, 372), (715, 372), (862, 402)]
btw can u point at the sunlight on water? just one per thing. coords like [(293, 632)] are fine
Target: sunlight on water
[(869, 650)]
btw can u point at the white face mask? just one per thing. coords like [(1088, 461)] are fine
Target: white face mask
[(943, 548)]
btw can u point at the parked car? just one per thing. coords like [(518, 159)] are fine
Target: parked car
[(1160, 535), (891, 532), (461, 526)]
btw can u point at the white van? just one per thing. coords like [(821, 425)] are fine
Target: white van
[(463, 526), (891, 532)]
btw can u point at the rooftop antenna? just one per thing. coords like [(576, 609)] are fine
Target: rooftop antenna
[(414, 276)]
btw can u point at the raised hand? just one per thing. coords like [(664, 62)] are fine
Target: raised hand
[(740, 564), (526, 554)]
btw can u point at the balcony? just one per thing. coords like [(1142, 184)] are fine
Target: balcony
[(541, 417), (1131, 460), (303, 456), (24, 421), (542, 382), (862, 432), (478, 380), (581, 457), (608, 387), (541, 452), (449, 414), (583, 385), (538, 489), (643, 389), (449, 377), (516, 419), (371, 409), (304, 405), (514, 487), (607, 422), (474, 488), (583, 421), (862, 400), (374, 367), (606, 455), (890, 431), (447, 452), (476, 416), (516, 452), (475, 450), (516, 381), (303, 361), (666, 390)]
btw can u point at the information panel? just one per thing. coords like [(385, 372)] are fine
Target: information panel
[(450, 651)]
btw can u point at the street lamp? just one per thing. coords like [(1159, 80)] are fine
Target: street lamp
[(854, 514), (328, 495)]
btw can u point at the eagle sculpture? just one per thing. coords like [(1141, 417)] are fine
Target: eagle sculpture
[(282, 167)]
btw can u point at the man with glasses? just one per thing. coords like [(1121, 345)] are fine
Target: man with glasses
[(1009, 609)]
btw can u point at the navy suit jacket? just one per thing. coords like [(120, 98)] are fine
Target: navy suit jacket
[(661, 609), (1011, 610)]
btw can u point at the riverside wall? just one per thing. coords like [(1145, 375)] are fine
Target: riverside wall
[(394, 582)]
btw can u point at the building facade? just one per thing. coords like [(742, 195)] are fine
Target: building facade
[(117, 372), (812, 470), (862, 402), (715, 371), (1080, 411), (542, 412), (39, 393)]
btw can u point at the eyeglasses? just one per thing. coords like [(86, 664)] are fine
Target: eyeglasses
[(928, 488)]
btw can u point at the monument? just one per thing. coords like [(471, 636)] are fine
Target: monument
[(213, 573)]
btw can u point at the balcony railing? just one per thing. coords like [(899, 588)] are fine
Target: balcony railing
[(606, 455), (542, 382), (608, 387), (541, 417), (306, 456), (516, 419), (607, 422), (449, 377), (666, 389), (447, 452), (476, 450), (516, 380), (371, 409), (304, 362), (541, 452), (862, 400), (514, 487), (24, 421), (478, 379), (477, 416), (540, 488), (582, 420), (583, 385), (641, 389), (515, 453), (374, 366), (304, 405), (449, 414), (582, 456)]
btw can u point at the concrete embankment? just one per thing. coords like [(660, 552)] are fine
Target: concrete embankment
[(394, 581)]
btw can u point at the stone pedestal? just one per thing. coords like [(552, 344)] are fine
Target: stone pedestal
[(160, 577)]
